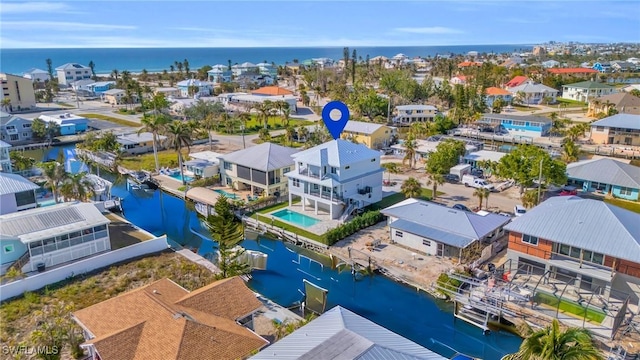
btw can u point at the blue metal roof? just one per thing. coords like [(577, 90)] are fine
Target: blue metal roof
[(625, 121)]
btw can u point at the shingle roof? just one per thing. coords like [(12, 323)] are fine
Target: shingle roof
[(362, 127), (12, 183), (342, 334), (607, 171), (263, 157), (148, 323), (592, 225), (588, 85), (623, 101), (624, 121), (443, 224)]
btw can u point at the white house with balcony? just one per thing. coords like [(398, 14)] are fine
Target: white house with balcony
[(5, 159), (245, 68), (16, 194), (71, 72), (587, 90), (408, 114), (219, 74), (336, 177), (196, 87)]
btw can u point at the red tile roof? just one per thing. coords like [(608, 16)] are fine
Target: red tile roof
[(469, 63), (558, 71), (272, 91), (518, 80), (496, 91)]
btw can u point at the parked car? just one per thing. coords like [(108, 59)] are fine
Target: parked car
[(461, 207), (477, 172), (519, 210), (568, 191), (476, 182), (452, 178)]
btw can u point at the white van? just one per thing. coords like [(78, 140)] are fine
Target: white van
[(472, 181), (519, 210)]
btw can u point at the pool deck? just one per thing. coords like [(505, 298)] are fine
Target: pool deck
[(325, 224)]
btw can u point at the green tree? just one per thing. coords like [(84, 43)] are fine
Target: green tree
[(20, 161), (178, 136), (523, 166), (446, 156), (264, 109), (6, 104), (409, 151), (227, 231), (77, 187), (92, 66), (154, 124), (391, 168), (264, 135), (552, 343), (479, 193), (529, 198), (55, 330), (411, 188), (435, 180), (570, 151), (54, 174)]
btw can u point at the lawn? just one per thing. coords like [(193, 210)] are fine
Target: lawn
[(166, 158), (275, 122), (570, 307), (269, 220), (111, 119), (282, 140), (625, 204), (570, 103)]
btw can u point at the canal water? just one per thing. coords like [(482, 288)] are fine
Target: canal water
[(398, 307)]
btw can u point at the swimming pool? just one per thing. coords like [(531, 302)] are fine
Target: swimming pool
[(176, 175), (226, 194), (296, 218)]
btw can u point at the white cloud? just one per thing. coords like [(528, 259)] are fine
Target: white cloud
[(32, 7), (428, 30), (62, 26)]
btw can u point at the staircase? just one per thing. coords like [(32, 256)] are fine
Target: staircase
[(347, 212), (22, 261)]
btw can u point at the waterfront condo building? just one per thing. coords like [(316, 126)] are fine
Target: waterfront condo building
[(19, 91), (337, 177), (71, 72)]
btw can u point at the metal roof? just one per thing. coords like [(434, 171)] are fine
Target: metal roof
[(72, 66), (12, 183), (207, 155), (416, 107), (263, 157), (362, 127), (588, 224), (607, 171), (625, 121), (46, 222), (4, 144), (485, 155), (530, 87), (535, 118), (342, 334), (339, 153), (127, 139), (443, 224)]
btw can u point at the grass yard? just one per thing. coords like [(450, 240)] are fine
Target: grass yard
[(20, 316), (111, 119), (396, 198), (570, 103), (275, 122), (166, 158), (625, 204), (570, 307), (282, 140)]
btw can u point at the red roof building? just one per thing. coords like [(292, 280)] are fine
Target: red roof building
[(272, 91), (516, 81), (469, 63)]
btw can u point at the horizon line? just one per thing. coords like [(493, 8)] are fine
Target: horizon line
[(261, 47)]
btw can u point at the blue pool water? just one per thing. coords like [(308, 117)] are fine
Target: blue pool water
[(226, 194), (176, 175), (296, 218)]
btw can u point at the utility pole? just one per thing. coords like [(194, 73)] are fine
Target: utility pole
[(540, 180), (389, 110), (244, 146)]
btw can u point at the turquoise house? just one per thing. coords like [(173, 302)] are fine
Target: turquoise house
[(606, 176), (523, 126), (12, 250)]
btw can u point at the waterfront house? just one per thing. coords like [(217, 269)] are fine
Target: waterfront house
[(163, 320), (617, 129), (16, 193), (407, 114), (438, 230), (533, 93), (69, 124), (516, 81), (244, 68), (527, 126), (98, 88), (583, 244), (219, 74), (81, 87), (56, 234), (37, 75), (260, 169), (566, 72), (14, 129), (168, 92), (19, 91), (459, 80), (605, 176), (337, 177), (586, 90), (342, 334), (195, 88), (374, 136), (249, 81), (5, 158), (142, 143), (272, 91), (71, 72), (622, 102), (203, 164), (494, 93), (268, 69)]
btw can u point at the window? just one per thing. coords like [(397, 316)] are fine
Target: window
[(25, 134), (373, 160), (8, 248), (399, 234), (347, 167), (228, 166), (26, 126), (533, 240), (625, 191), (426, 242), (25, 198), (296, 182), (286, 170), (334, 170)]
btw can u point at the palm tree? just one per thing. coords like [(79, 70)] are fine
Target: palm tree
[(115, 73), (178, 136), (20, 161), (77, 187), (570, 151), (551, 343), (303, 133), (208, 124), (289, 132), (264, 110), (55, 174), (434, 181), (409, 151), (92, 66), (155, 125), (391, 168), (487, 192), (6, 103), (411, 188), (479, 193)]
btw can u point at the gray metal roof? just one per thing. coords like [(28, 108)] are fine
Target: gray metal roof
[(443, 224), (339, 153), (263, 157), (588, 224), (530, 87), (535, 118), (342, 334), (362, 127), (607, 171), (130, 139), (625, 121), (12, 183), (416, 107), (4, 144)]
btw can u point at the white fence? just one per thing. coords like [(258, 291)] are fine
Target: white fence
[(54, 275)]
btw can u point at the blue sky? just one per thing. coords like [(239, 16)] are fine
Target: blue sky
[(233, 23)]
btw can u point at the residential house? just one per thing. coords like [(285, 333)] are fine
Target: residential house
[(494, 93), (533, 93), (203, 164), (16, 193), (407, 114), (374, 136), (163, 320), (81, 87), (56, 234), (622, 102), (342, 334), (603, 67), (14, 129), (458, 80), (617, 129), (566, 72), (195, 88), (272, 91), (516, 81), (19, 91), (269, 69), (71, 72), (37, 75), (578, 244), (69, 124), (141, 143), (531, 126), (475, 157), (249, 81), (550, 64), (250, 100), (630, 88), (100, 87), (219, 74), (438, 230), (337, 177), (169, 92), (5, 158), (260, 169), (466, 64), (605, 176), (245, 68), (622, 66), (116, 97), (586, 90)]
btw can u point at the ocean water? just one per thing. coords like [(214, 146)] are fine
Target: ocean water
[(17, 61)]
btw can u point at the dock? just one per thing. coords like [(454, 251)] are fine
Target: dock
[(190, 255)]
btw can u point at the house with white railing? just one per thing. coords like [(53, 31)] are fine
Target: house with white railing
[(337, 177)]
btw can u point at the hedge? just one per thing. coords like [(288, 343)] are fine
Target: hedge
[(367, 219)]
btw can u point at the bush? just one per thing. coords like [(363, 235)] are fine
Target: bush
[(447, 285), (204, 182), (367, 219)]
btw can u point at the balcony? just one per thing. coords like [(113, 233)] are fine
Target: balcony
[(312, 173), (326, 195)]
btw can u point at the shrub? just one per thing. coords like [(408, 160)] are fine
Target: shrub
[(367, 219)]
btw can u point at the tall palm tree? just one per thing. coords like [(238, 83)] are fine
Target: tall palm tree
[(264, 110), (92, 66), (303, 133), (178, 136), (409, 151), (208, 124), (570, 151), (77, 187), (411, 188), (551, 343), (434, 181), (115, 73), (390, 168), (155, 125), (55, 174)]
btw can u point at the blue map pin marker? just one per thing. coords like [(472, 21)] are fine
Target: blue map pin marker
[(335, 126)]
